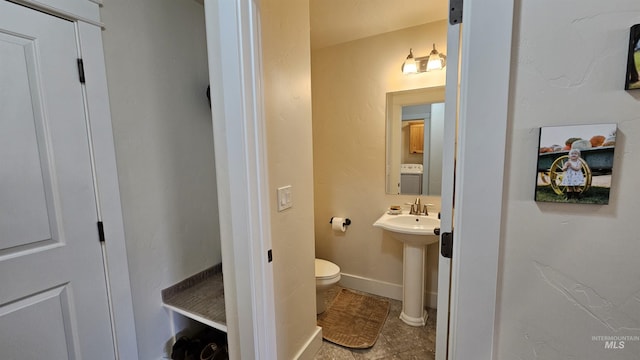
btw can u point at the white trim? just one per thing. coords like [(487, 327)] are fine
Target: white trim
[(311, 347), (484, 100), (85, 11), (446, 208), (196, 317), (431, 299), (117, 268), (371, 286), (243, 199), (383, 288)]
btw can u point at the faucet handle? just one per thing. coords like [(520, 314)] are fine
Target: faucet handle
[(425, 209)]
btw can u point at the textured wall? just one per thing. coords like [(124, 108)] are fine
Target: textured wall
[(349, 86), (287, 90), (570, 272), (157, 74)]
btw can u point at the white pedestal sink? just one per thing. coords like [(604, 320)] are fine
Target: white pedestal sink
[(415, 232)]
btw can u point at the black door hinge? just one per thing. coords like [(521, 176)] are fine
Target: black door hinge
[(269, 255), (100, 231), (81, 71), (447, 244), (455, 12)]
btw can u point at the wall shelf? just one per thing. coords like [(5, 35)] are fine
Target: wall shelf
[(199, 297)]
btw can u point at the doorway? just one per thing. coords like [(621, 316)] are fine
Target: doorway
[(352, 81), (478, 299)]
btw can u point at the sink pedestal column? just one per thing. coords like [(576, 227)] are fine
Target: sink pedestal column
[(413, 312)]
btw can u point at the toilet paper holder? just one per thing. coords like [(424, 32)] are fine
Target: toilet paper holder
[(347, 221)]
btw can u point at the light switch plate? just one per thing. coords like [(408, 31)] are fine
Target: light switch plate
[(285, 200)]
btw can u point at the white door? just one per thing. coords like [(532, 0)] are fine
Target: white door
[(53, 299)]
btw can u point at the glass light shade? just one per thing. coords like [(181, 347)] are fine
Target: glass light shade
[(436, 61), (409, 66)]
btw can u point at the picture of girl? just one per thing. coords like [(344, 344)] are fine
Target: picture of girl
[(575, 164), (573, 177)]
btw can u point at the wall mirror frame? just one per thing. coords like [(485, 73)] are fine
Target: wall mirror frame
[(399, 149)]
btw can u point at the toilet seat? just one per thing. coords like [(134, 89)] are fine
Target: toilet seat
[(326, 270)]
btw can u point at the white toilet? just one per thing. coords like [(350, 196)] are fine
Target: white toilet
[(327, 275)]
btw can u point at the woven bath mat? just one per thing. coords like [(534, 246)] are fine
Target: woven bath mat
[(353, 320)]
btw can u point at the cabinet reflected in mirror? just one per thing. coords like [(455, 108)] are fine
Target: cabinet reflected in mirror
[(415, 130)]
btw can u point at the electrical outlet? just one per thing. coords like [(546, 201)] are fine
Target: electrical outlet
[(285, 200)]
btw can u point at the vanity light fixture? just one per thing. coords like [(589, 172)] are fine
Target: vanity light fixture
[(434, 61)]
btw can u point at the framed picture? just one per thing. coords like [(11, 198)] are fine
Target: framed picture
[(575, 163), (633, 60)]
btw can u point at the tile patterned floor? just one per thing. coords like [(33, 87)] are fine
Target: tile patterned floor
[(397, 340)]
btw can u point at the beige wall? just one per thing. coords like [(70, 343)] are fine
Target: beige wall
[(349, 86), (156, 61), (570, 272), (287, 89)]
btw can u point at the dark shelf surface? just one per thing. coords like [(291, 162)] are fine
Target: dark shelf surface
[(199, 297)]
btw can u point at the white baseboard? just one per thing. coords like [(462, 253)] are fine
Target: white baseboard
[(371, 286), (431, 299), (311, 347), (382, 288)]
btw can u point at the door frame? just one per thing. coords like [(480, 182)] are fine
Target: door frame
[(114, 247), (235, 73), (480, 160), (85, 16), (448, 178)]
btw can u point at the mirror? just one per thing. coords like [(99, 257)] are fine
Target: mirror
[(415, 131)]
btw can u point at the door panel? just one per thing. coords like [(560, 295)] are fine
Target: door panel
[(51, 270), (20, 339), (22, 161)]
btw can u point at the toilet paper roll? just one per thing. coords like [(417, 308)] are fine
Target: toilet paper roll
[(338, 224)]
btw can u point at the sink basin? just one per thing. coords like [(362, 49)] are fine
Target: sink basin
[(415, 232), (415, 229)]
